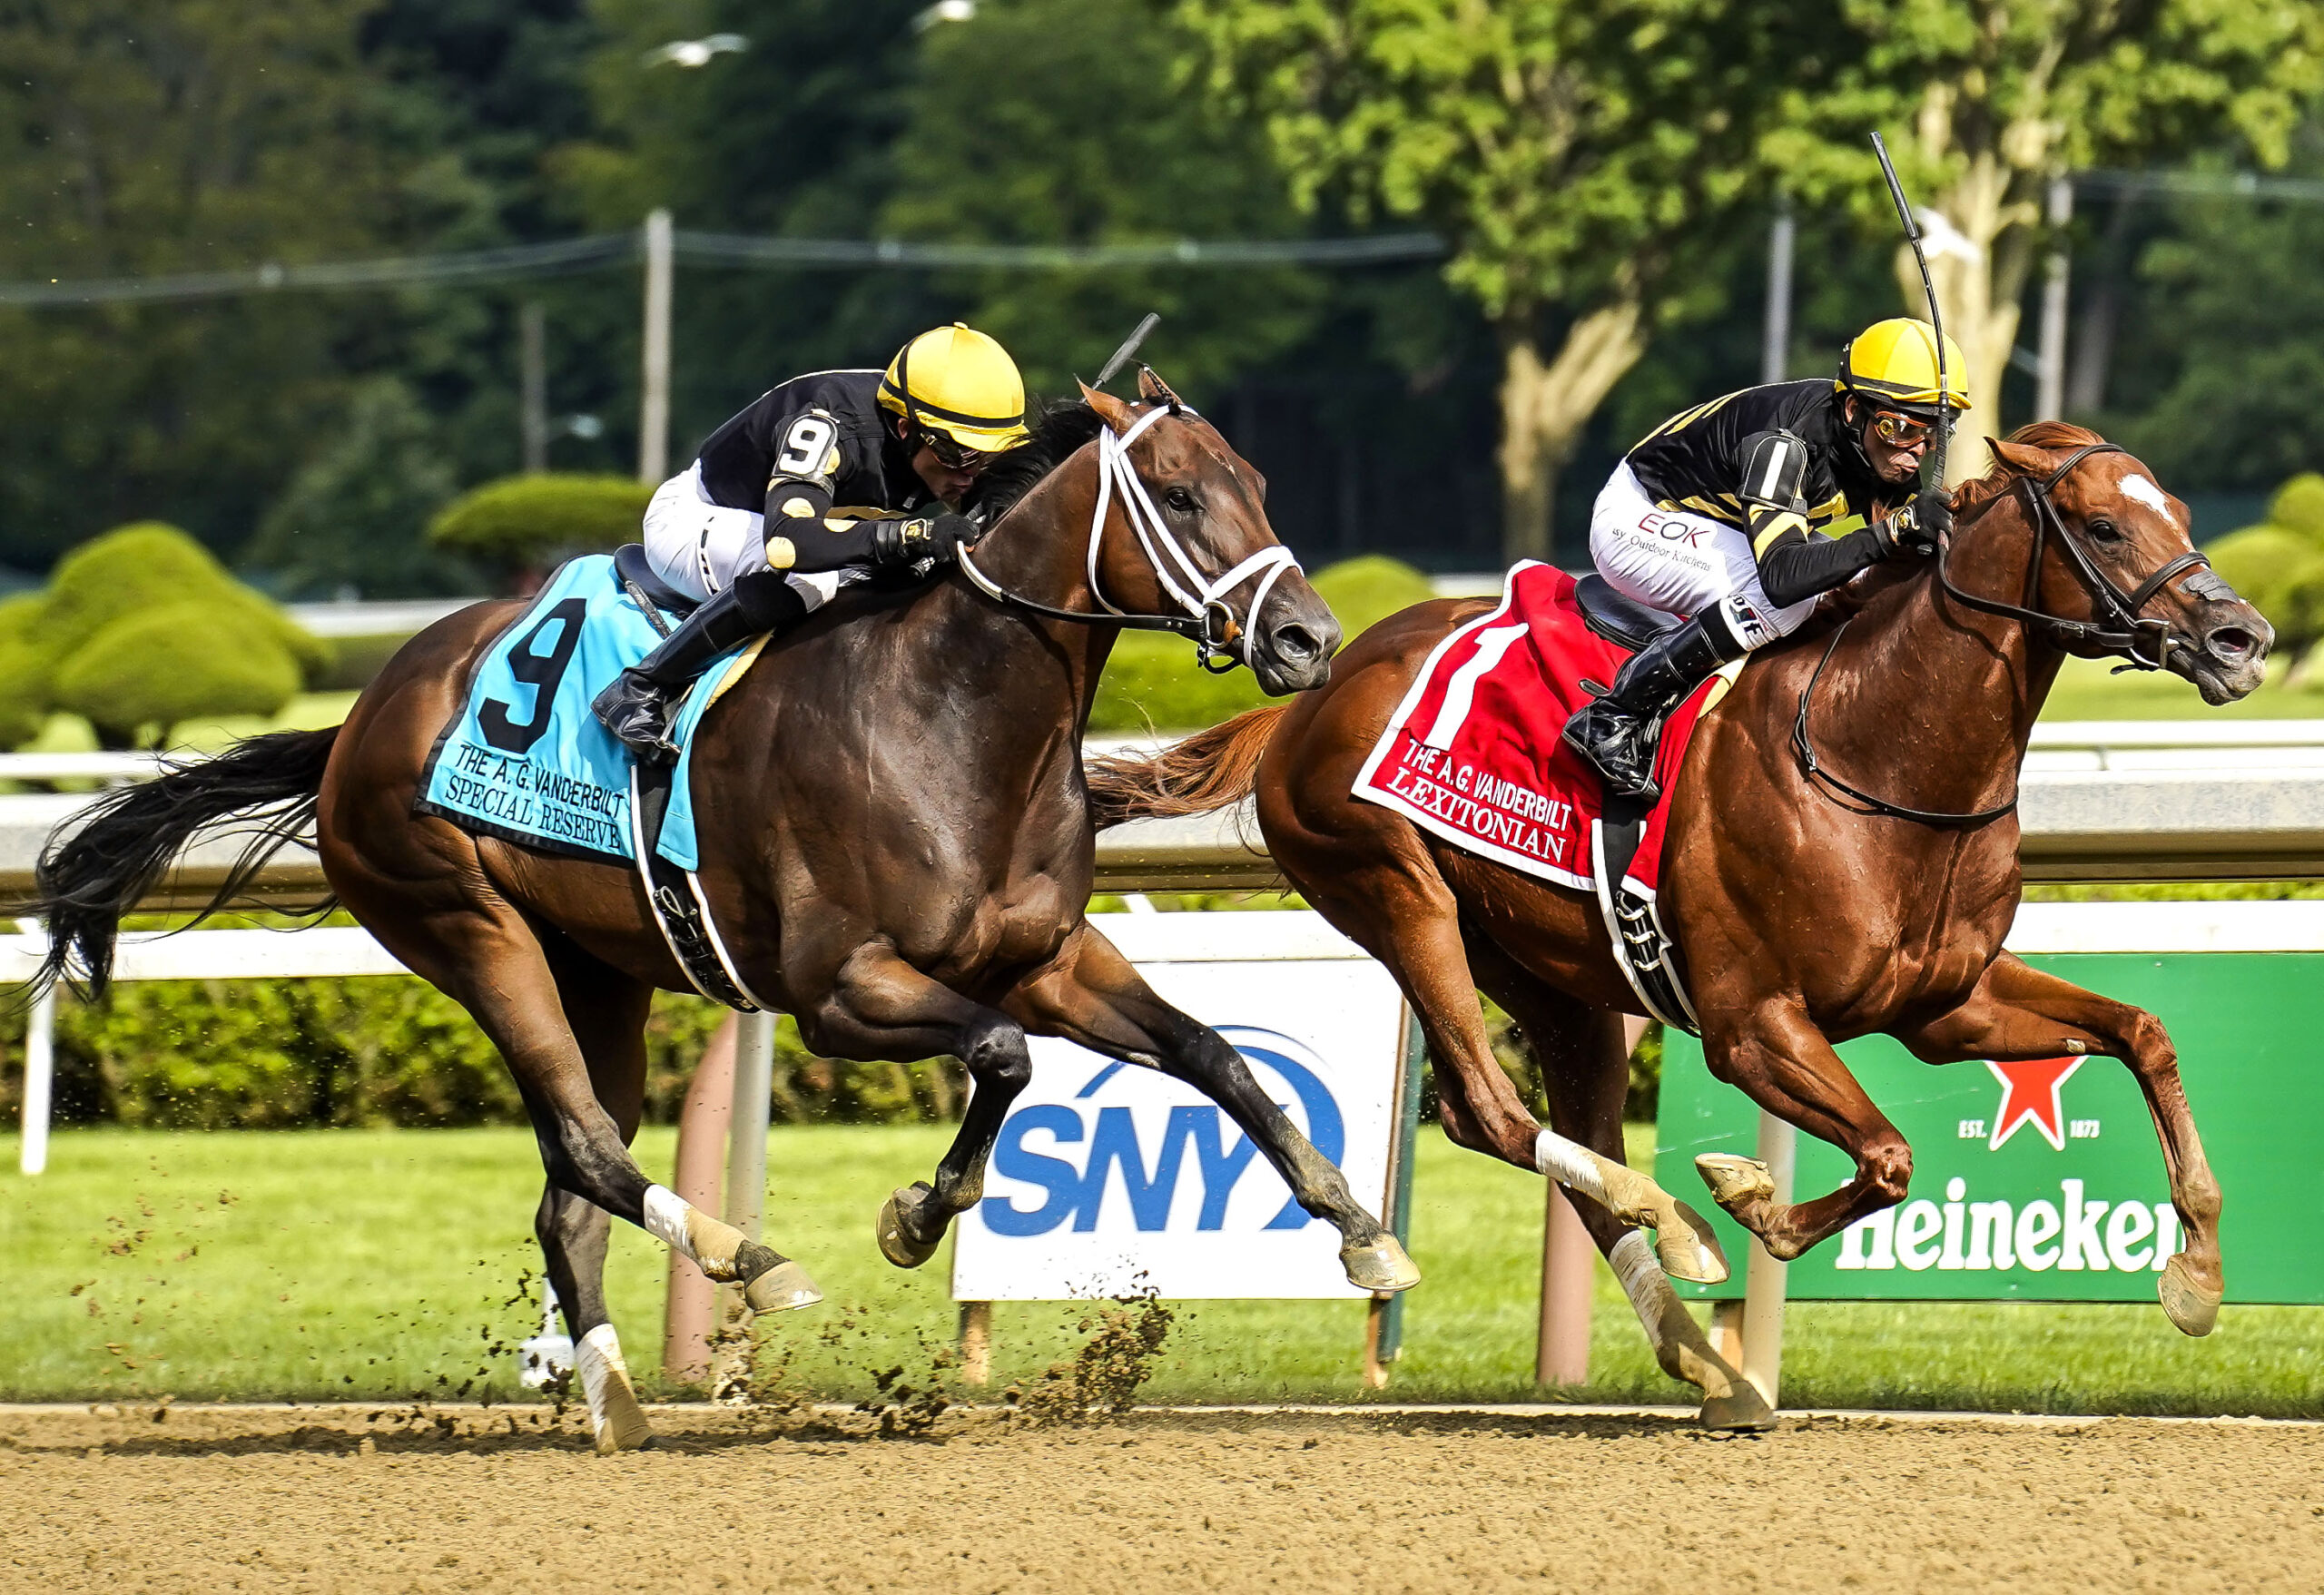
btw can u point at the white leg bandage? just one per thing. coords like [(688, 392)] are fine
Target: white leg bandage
[(1571, 1164), (710, 1242), (1642, 1280), (597, 1359), (665, 1217)]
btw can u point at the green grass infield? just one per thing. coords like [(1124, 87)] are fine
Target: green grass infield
[(391, 1265)]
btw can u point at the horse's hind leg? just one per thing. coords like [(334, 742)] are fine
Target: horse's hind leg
[(2020, 1012), (878, 1007), (1090, 994), (606, 1012), (1586, 1078), (1381, 888)]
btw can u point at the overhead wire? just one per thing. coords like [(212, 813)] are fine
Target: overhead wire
[(569, 256)]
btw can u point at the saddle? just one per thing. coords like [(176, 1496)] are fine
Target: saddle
[(1623, 621), (676, 897)]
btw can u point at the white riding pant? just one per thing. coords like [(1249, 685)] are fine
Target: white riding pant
[(1684, 562), (700, 548)]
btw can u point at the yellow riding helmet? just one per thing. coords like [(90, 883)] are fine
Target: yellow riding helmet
[(1893, 363), (958, 381)]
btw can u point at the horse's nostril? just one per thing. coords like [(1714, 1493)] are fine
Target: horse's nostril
[(1295, 643), (2230, 643)]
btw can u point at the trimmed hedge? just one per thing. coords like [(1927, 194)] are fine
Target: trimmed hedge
[(526, 520), (140, 629), (393, 1050)]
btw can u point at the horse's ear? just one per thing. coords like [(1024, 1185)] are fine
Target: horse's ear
[(1154, 390), (1110, 411), (2022, 457)]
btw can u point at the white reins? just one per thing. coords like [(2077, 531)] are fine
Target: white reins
[(1209, 621)]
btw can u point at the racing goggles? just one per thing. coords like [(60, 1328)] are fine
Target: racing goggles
[(1899, 430), (950, 452)]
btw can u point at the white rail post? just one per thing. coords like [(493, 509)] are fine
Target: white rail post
[(1763, 1278), (2050, 381), (653, 402), (39, 1077), (1775, 340), (690, 1306), (745, 1182)]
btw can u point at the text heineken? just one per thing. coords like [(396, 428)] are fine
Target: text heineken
[(2041, 1179)]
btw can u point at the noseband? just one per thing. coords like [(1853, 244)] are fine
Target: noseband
[(2122, 631), (1221, 640)]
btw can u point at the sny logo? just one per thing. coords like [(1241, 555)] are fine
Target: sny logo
[(1077, 1194)]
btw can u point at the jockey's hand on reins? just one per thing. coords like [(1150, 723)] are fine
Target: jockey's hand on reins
[(1916, 528), (907, 542)]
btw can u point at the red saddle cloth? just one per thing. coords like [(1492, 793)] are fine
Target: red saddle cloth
[(1474, 752)]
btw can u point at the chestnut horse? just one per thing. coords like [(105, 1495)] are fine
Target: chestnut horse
[(896, 844), (1807, 909)]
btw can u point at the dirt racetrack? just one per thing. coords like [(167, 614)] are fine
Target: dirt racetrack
[(357, 1498)]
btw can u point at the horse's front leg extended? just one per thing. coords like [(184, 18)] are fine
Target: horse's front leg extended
[(880, 1007), (1092, 996), (2018, 1012), (1777, 1057)]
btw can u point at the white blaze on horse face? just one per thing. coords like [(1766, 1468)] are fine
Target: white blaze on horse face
[(2135, 486)]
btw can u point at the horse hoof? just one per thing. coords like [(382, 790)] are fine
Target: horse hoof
[(623, 1426), (1741, 1411), (780, 1288), (1688, 1249), (2191, 1306), (1379, 1265), (896, 1243), (1733, 1179)]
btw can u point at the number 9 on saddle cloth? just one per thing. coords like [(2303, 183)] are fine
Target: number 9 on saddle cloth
[(525, 761)]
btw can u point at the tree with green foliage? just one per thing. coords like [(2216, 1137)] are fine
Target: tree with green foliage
[(1061, 121), (2226, 370), (1580, 158), (141, 630), (1985, 105)]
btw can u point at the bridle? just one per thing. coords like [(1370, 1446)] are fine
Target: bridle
[(2121, 631), (1209, 623)]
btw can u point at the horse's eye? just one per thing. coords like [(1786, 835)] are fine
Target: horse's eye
[(2105, 531), (1179, 500)]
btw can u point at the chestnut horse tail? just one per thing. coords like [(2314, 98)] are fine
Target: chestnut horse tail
[(118, 847), (1206, 770)]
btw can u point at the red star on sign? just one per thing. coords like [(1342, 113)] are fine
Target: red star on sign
[(2029, 1092)]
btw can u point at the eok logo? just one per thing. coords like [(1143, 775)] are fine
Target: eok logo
[(1107, 1136)]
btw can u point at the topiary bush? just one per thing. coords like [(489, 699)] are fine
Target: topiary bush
[(143, 628), (2281, 572), (2299, 506), (531, 520)]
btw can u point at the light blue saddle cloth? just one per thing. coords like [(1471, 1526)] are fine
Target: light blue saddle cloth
[(525, 761)]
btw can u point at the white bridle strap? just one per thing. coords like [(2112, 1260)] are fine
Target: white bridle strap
[(1187, 587)]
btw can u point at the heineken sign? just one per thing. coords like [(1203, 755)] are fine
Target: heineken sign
[(2043, 1180)]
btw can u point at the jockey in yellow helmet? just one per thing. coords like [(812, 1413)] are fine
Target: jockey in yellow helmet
[(823, 480), (1712, 518)]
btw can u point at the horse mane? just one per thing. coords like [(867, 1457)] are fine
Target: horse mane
[(1060, 428), (2059, 435)]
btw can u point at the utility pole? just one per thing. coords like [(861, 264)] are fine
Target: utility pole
[(653, 407), (2049, 383), (532, 327), (1775, 348)]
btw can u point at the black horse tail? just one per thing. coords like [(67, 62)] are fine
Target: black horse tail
[(104, 861), (1206, 770)]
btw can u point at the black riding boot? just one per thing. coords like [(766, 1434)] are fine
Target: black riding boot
[(1619, 733), (636, 705)]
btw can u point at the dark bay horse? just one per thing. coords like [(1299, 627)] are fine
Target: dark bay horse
[(1804, 915), (896, 843)]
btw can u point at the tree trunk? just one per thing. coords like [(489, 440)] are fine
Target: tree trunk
[(1544, 408), (1979, 237)]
